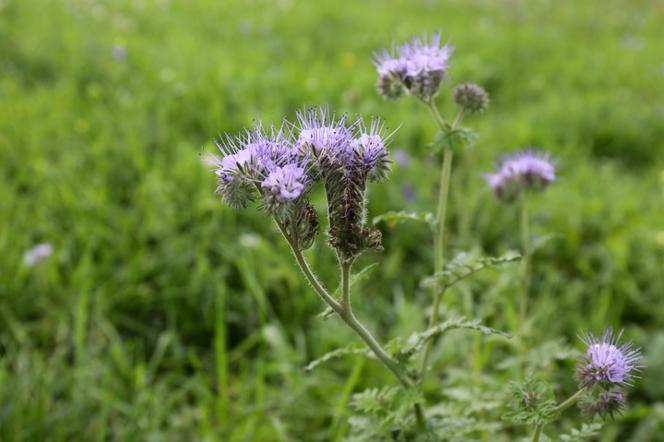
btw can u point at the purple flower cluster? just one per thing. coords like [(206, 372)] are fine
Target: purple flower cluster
[(417, 67), (280, 165), (522, 171), (608, 362), (259, 160)]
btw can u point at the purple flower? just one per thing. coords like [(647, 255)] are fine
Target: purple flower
[(285, 183), (250, 159), (607, 362), (522, 171), (119, 52), (37, 254), (417, 67), (370, 153), (323, 136)]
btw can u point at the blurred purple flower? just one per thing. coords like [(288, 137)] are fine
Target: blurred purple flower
[(37, 254), (417, 67), (526, 170), (119, 52), (402, 158)]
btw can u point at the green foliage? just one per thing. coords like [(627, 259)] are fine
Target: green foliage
[(393, 218), (163, 315), (383, 414), (532, 402), (465, 265), (404, 350), (586, 432)]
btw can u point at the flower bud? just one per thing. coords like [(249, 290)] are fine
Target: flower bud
[(471, 97)]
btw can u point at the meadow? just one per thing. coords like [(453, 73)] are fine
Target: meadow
[(163, 315)]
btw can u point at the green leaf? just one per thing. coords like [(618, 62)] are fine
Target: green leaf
[(393, 218), (339, 352), (586, 431), (358, 277), (464, 265), (532, 402), (416, 341)]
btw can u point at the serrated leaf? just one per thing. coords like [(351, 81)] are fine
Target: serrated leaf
[(356, 278), (416, 341), (398, 217), (339, 352), (465, 265)]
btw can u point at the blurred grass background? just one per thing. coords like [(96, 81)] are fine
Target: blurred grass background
[(163, 315)]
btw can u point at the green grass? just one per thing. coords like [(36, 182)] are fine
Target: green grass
[(165, 316)]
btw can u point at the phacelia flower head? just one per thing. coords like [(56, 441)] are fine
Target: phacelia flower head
[(370, 153), (259, 163), (522, 171), (418, 67), (607, 362), (471, 97)]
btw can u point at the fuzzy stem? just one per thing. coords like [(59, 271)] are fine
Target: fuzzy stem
[(556, 411), (345, 284), (346, 314), (525, 264), (439, 233)]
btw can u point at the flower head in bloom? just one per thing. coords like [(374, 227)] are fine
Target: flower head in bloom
[(526, 170), (417, 67), (370, 153), (471, 97), (607, 361), (250, 160)]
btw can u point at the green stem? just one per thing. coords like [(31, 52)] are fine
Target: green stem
[(525, 246), (568, 403), (538, 431), (556, 411), (345, 312), (439, 232)]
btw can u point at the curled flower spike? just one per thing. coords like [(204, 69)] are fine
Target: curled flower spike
[(370, 152), (605, 404), (522, 171), (607, 362), (417, 67)]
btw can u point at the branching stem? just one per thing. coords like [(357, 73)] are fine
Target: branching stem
[(345, 312)]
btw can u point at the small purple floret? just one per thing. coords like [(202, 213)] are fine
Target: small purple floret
[(606, 361), (285, 183)]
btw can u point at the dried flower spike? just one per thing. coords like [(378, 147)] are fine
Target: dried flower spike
[(522, 171), (606, 362)]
